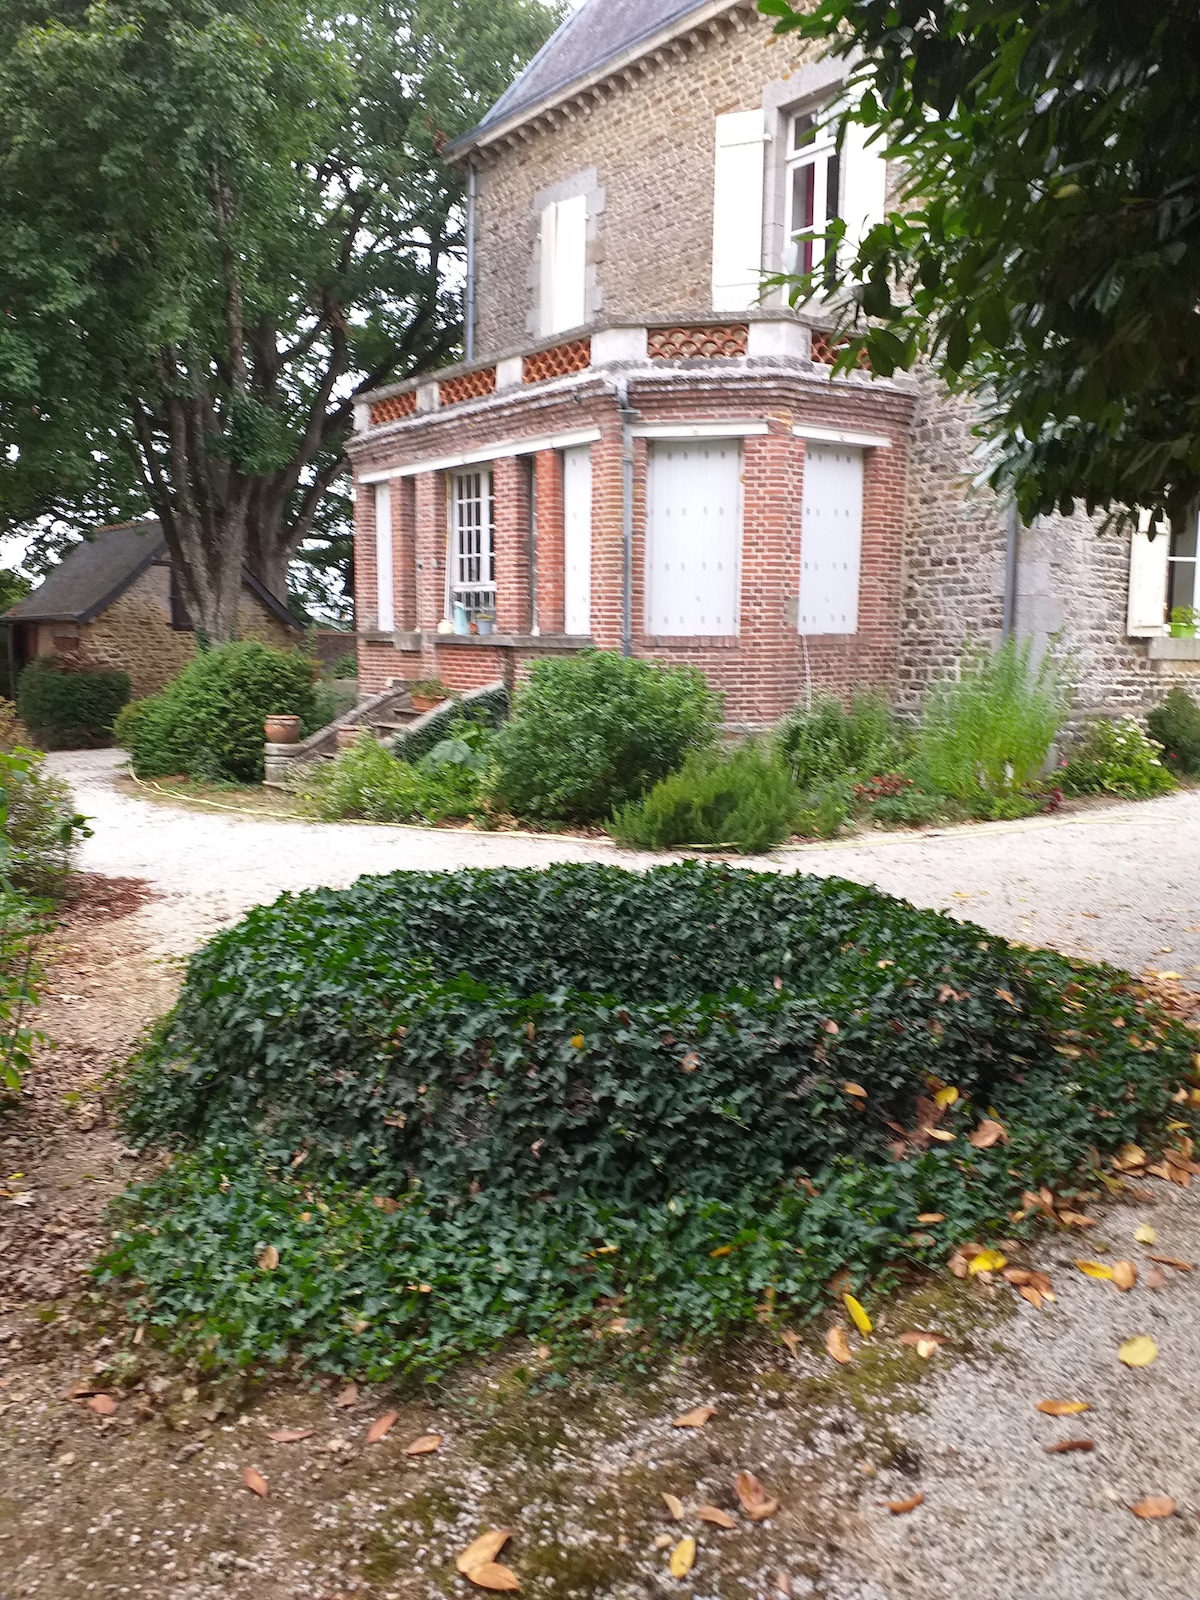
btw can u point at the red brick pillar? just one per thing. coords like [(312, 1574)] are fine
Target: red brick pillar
[(510, 493), (429, 540), (770, 573), (550, 557)]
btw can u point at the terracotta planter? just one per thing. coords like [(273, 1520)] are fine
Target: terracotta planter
[(282, 730), (347, 738), (425, 702)]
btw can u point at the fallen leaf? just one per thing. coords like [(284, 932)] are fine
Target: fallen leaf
[(837, 1344), (987, 1134), (1076, 1219), (783, 1584), (1138, 1352), (683, 1558), (255, 1482), (792, 1340), (382, 1426), (1034, 1296), (1156, 1278), (290, 1435), (958, 1264), (483, 1550), (927, 1348), (1146, 1234), (269, 1259), (1159, 1505), (690, 1061), (928, 1218), (494, 1577), (858, 1316), (1173, 1261), (924, 1342), (696, 1418), (946, 1097), (663, 1541), (714, 1514), (1095, 1269), (103, 1405), (425, 1445), (986, 1261), (674, 1505), (1124, 1275), (1130, 1155), (348, 1396), (721, 1250), (756, 1503), (900, 1508), (1064, 1447), (577, 1041), (1006, 996), (1062, 1408), (943, 1135), (855, 1089)]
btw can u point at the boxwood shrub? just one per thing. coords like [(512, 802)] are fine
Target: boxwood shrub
[(471, 1105), (70, 708)]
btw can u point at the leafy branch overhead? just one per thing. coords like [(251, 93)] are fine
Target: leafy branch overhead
[(1045, 248)]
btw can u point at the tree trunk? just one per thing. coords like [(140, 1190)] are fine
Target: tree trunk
[(208, 569)]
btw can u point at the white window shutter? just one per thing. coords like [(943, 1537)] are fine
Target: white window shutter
[(385, 615), (564, 265), (549, 237), (693, 537), (864, 185), (1148, 583), (577, 540), (830, 539), (738, 210)]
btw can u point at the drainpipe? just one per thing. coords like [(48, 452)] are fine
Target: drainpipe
[(1011, 560), (469, 298), (628, 418)]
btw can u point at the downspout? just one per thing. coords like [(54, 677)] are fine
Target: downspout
[(628, 418), (1011, 563), (469, 298)]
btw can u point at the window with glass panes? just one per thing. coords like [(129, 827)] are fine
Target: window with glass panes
[(813, 183), (1183, 593), (472, 542)]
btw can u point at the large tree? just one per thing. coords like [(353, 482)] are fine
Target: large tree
[(220, 220), (1045, 250)]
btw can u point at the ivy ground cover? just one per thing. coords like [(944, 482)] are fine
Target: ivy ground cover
[(599, 1108)]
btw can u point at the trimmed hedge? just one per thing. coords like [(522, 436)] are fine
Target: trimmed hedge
[(70, 708)]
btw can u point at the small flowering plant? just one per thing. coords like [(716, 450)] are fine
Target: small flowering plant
[(1116, 757)]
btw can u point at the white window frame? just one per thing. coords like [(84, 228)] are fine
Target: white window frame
[(385, 603), (815, 154), (471, 569), (563, 277), (1183, 571)]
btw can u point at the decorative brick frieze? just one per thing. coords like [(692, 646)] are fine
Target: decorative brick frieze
[(825, 350), (558, 362), (394, 409), (687, 344), (468, 386)]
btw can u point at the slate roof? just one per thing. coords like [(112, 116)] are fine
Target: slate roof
[(599, 32)]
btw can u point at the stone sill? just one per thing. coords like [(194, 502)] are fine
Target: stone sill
[(1164, 649), (485, 641)]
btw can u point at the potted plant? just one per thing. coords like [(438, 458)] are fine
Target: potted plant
[(425, 693), (486, 620), (1183, 622)]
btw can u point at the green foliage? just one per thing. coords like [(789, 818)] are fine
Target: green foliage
[(590, 733), (70, 708), (1176, 726), (345, 666), (989, 730), (332, 698), (534, 1092), (828, 742), (825, 811), (1016, 258), (370, 783), (482, 709), (22, 926), (208, 722), (1115, 757), (911, 807), (738, 800), (38, 825)]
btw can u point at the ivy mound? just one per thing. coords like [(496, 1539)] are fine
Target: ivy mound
[(601, 1108)]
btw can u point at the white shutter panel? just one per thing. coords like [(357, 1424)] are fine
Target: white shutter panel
[(385, 614), (693, 537), (863, 200), (1148, 583), (830, 539), (577, 540), (563, 289), (549, 237), (738, 210)]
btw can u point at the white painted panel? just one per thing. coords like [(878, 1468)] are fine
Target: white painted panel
[(693, 537), (1148, 583), (831, 539), (385, 604), (577, 540), (564, 265), (738, 210), (864, 185)]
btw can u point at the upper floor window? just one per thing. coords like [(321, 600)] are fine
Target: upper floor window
[(814, 188), (562, 301), (472, 545), (1183, 592), (1164, 585)]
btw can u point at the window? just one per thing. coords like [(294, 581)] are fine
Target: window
[(1162, 574), (563, 298), (1182, 591), (693, 538), (830, 539), (814, 188), (472, 543)]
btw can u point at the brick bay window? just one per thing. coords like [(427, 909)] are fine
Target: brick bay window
[(813, 185), (472, 566)]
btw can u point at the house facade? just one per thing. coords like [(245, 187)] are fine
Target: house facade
[(646, 449)]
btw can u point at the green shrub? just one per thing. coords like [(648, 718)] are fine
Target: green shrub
[(208, 722), (125, 725), (828, 742), (744, 800), (913, 808), (332, 698), (345, 666), (470, 1105), (1115, 758), (22, 927), (38, 825), (368, 782), (590, 733), (485, 709), (1176, 726), (69, 708), (825, 811), (990, 729)]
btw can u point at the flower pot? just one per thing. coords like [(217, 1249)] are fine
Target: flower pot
[(425, 702), (486, 624), (1183, 630), (347, 738), (282, 730)]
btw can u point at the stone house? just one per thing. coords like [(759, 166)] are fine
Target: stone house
[(112, 602), (645, 449)]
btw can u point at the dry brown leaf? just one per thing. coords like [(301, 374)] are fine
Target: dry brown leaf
[(695, 1418), (942, 1135), (900, 1508), (290, 1435), (1158, 1505), (1034, 1296), (1129, 1156), (1156, 1278), (1076, 1219), (269, 1259), (255, 1482), (756, 1503), (782, 1583), (959, 1265), (920, 1337), (103, 1405), (348, 1396), (1064, 1447), (494, 1577), (483, 1550), (1062, 1408), (837, 1344), (855, 1089), (928, 1218), (792, 1340), (425, 1445), (988, 1133), (715, 1515), (1173, 1261), (664, 1541), (1017, 1276), (683, 1558), (382, 1426), (674, 1505), (1124, 1275)]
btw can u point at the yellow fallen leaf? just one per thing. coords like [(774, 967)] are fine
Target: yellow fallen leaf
[(1095, 1269), (942, 1135), (716, 1516), (1139, 1351), (1124, 1275), (837, 1344), (1130, 1155), (858, 1316), (483, 1550), (721, 1250), (986, 1261), (1062, 1408), (674, 1505), (494, 1577), (269, 1259), (577, 1042), (928, 1218), (855, 1089), (1158, 1505), (695, 1418), (1146, 1234), (683, 1558)]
